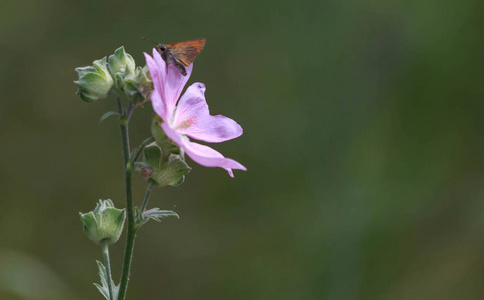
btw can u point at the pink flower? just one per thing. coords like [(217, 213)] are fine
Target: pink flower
[(191, 117)]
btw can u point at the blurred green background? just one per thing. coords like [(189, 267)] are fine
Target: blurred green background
[(363, 138)]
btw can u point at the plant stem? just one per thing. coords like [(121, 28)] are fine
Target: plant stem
[(131, 234), (105, 249), (149, 188)]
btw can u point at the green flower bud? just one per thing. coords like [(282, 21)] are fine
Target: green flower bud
[(105, 222), (163, 168), (121, 64), (138, 86), (146, 84), (94, 82)]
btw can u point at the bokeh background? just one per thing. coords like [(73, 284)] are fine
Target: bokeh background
[(363, 138)]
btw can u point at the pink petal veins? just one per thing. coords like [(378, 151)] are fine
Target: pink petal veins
[(156, 73), (174, 83), (202, 154), (192, 118)]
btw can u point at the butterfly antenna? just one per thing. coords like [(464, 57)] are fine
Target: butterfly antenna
[(149, 41)]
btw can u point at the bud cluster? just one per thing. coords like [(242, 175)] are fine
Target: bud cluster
[(120, 72)]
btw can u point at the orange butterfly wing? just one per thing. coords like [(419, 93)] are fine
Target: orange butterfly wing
[(186, 51)]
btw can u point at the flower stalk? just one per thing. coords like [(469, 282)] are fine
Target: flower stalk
[(125, 115), (131, 231), (107, 263), (151, 184)]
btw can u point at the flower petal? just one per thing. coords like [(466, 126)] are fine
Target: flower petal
[(192, 118), (202, 154), (157, 69), (158, 105), (157, 73), (167, 81), (161, 63), (174, 83)]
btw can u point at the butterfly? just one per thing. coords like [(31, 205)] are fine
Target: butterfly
[(180, 54)]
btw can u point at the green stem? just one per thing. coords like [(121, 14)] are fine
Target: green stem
[(131, 234), (107, 264), (149, 188)]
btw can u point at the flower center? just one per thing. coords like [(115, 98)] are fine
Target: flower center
[(185, 124)]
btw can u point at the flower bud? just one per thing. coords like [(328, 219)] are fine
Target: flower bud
[(121, 64), (94, 82), (104, 223), (138, 86), (146, 84), (163, 168)]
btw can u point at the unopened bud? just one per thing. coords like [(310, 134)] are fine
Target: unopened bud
[(94, 82), (121, 64), (104, 223)]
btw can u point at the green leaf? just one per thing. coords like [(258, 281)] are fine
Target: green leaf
[(107, 115), (138, 218), (158, 214), (103, 288), (103, 274)]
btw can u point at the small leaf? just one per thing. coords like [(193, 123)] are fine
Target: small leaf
[(107, 115), (158, 214), (103, 288), (102, 291), (138, 218)]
